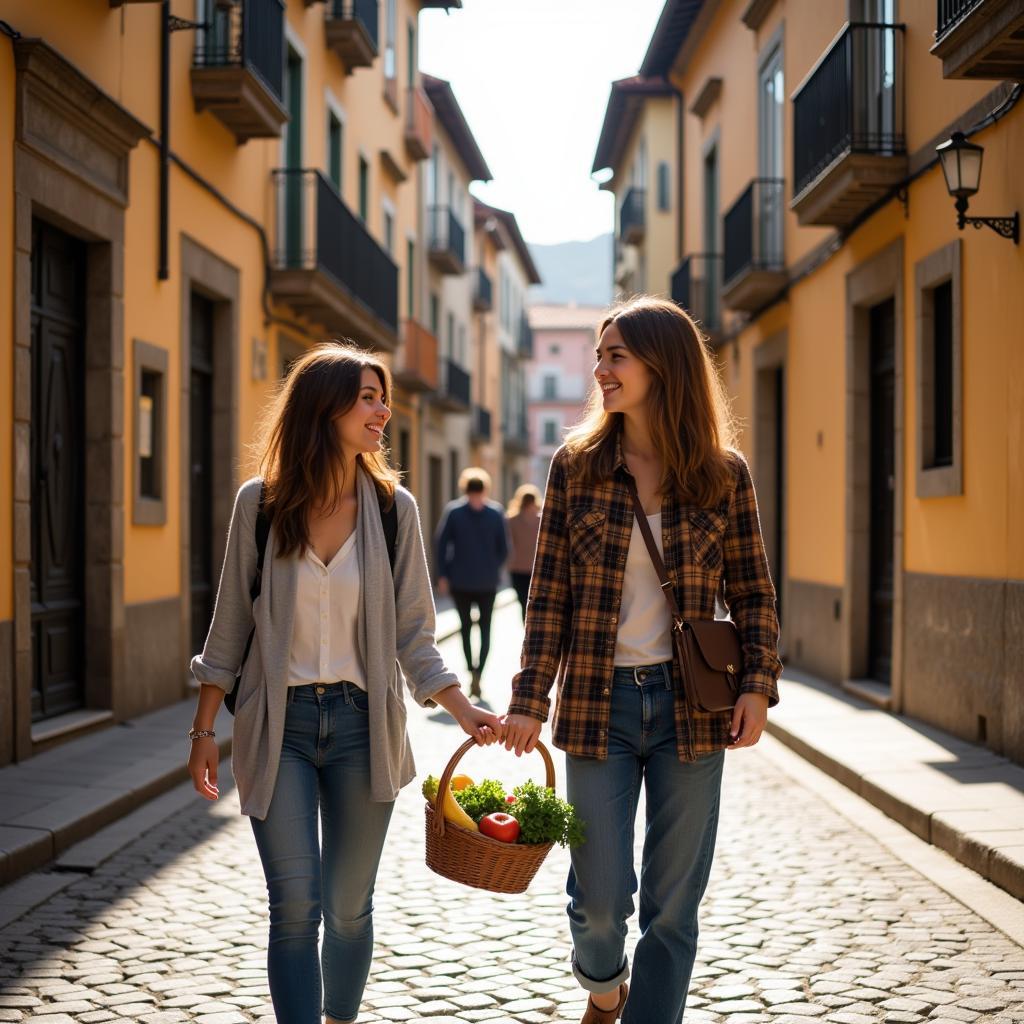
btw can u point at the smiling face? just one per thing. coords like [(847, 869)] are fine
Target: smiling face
[(623, 378), (361, 429)]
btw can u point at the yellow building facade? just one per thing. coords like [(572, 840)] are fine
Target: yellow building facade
[(872, 347), (187, 206)]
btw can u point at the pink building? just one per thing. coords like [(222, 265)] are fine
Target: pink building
[(558, 377)]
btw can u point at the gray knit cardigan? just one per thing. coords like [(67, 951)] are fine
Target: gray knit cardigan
[(395, 636)]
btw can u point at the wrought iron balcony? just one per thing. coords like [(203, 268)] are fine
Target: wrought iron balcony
[(352, 27), (483, 293), (631, 217), (453, 391), (419, 124), (415, 367), (696, 286), (327, 266), (754, 265), (849, 148), (447, 241), (980, 38), (238, 68), (480, 428), (524, 338)]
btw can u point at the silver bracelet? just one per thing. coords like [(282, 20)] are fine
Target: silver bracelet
[(199, 734)]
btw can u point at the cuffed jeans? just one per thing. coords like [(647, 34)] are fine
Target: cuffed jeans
[(679, 842), (325, 768)]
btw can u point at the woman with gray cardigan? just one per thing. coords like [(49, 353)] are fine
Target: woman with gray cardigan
[(319, 731)]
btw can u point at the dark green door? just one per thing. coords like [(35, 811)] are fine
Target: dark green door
[(201, 477)]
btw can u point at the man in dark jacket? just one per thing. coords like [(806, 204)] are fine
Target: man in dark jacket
[(472, 545)]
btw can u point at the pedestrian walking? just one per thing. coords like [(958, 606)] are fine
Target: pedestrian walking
[(523, 524), (472, 546), (657, 420), (339, 626)]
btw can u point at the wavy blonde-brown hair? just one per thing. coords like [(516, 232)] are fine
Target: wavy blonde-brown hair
[(690, 420), (299, 453)]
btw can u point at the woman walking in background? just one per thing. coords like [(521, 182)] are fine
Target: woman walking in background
[(523, 524), (657, 422), (319, 737)]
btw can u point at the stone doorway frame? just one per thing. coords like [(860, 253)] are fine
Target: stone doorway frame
[(71, 163), (206, 273), (874, 280)]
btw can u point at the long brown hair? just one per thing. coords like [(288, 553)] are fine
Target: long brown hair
[(299, 454), (690, 421)]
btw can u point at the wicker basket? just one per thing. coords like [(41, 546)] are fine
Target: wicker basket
[(475, 859)]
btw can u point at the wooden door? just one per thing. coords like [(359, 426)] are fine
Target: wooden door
[(57, 447)]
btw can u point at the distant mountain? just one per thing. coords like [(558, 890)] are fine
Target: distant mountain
[(579, 272)]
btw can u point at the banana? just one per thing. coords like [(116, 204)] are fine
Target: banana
[(449, 805)]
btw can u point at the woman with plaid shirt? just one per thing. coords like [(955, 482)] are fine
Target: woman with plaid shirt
[(598, 621)]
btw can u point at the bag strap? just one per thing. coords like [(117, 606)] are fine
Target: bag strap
[(678, 621), (262, 533), (389, 520)]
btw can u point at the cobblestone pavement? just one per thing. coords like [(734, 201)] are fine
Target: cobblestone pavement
[(807, 916)]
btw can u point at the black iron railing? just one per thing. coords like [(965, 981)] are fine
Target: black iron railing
[(456, 382), (367, 12), (949, 12), (317, 231), (484, 289), (753, 229), (250, 34), (631, 216), (481, 423), (851, 103), (524, 339), (446, 233), (697, 286)]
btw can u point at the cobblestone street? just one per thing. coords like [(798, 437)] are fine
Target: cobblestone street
[(807, 916)]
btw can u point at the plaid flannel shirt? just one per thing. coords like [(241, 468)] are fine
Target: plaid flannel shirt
[(573, 606)]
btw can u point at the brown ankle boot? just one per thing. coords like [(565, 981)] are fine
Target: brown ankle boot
[(596, 1016)]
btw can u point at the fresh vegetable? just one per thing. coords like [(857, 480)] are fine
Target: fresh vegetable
[(461, 782), (544, 817), (500, 826), (510, 799), (484, 798), (449, 807)]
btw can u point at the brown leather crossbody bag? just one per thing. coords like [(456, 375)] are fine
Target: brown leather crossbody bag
[(707, 651)]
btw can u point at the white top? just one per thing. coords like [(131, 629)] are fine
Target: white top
[(645, 624), (324, 642)]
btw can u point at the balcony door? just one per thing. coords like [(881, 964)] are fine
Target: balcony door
[(293, 183), (873, 75), (770, 121), (201, 495)]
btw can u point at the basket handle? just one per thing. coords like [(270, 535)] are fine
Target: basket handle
[(446, 778)]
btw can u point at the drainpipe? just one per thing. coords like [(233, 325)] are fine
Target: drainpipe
[(165, 122)]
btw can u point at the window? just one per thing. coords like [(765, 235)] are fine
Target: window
[(149, 505), (663, 186), (410, 277), (410, 53), (389, 229), (550, 433), (364, 189), (334, 148), (939, 374), (550, 386), (461, 357), (450, 336), (405, 457), (554, 350), (391, 31), (435, 314)]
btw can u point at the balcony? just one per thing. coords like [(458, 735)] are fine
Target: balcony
[(415, 367), (754, 265), (483, 292), (696, 286), (238, 68), (517, 436), (352, 31), (453, 392), (447, 241), (848, 144), (327, 266), (524, 338), (419, 124), (480, 427), (980, 38), (631, 217)]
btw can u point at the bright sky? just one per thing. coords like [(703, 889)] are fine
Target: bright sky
[(532, 78)]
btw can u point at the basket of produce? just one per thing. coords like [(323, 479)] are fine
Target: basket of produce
[(482, 836)]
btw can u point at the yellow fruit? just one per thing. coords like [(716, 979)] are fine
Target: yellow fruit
[(449, 806), (461, 782)]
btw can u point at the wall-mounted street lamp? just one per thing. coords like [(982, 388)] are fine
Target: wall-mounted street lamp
[(961, 165)]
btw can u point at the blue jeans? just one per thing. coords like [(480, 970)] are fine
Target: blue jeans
[(325, 768), (679, 842)]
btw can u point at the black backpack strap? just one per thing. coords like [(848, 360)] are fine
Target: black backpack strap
[(262, 533), (389, 520)]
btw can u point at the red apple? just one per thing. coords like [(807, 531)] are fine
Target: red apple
[(500, 826), (510, 799)]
